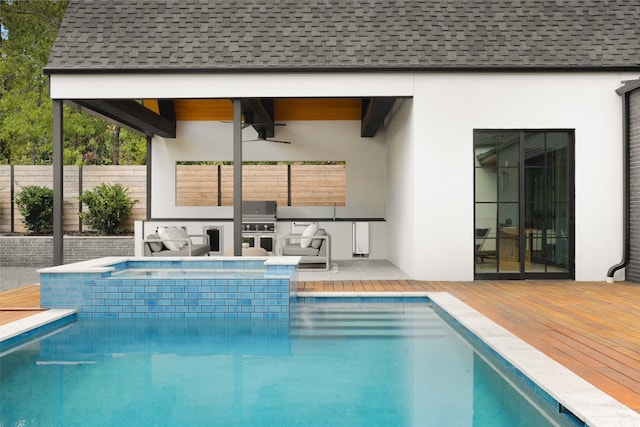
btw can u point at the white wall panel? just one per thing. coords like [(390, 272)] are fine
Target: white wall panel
[(310, 140), (401, 226), (233, 85), (447, 107)]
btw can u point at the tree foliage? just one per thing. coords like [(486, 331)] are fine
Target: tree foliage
[(27, 32)]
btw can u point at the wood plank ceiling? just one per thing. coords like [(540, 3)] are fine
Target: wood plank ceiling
[(158, 117), (265, 112)]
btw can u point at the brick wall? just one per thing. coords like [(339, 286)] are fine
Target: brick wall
[(37, 251), (632, 271)]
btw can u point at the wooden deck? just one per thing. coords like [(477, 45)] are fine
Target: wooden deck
[(19, 303), (590, 327)]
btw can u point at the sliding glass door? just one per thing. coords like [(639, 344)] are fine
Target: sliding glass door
[(524, 204)]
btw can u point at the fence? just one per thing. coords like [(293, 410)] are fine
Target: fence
[(76, 180), (197, 185)]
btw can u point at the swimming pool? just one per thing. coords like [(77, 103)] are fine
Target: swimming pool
[(331, 364)]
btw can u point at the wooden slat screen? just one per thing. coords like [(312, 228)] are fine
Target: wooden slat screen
[(318, 185), (311, 185), (196, 185)]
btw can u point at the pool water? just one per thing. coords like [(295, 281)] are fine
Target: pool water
[(187, 273), (330, 365)]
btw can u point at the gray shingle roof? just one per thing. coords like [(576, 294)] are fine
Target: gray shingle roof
[(213, 35)]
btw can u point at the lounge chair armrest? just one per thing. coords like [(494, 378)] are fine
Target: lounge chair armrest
[(287, 239), (186, 240), (299, 236), (166, 240)]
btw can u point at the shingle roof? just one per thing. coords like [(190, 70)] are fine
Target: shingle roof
[(214, 35)]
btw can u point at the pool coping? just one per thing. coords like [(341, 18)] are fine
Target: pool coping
[(101, 265), (15, 333), (590, 404)]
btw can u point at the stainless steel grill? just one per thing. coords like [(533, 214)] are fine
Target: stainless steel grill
[(259, 223)]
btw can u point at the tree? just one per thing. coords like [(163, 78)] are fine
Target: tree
[(27, 32)]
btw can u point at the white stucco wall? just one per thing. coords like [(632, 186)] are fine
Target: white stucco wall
[(446, 109), (230, 85), (310, 140), (404, 240), (418, 173)]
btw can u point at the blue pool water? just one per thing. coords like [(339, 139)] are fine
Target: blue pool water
[(191, 273), (329, 365)]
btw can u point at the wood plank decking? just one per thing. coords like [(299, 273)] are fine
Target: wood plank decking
[(19, 303), (593, 328)]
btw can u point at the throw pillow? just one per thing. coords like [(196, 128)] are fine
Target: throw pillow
[(173, 233), (308, 232), (316, 243), (154, 246)]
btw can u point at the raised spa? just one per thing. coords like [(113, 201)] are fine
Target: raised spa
[(191, 287)]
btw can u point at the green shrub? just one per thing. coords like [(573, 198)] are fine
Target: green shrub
[(107, 206), (35, 203)]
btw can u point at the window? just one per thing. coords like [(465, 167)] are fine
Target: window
[(288, 183)]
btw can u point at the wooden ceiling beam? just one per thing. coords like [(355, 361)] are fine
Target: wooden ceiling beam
[(133, 115), (260, 112), (374, 111), (167, 109)]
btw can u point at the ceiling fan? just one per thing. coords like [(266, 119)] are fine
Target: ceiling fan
[(261, 130), (247, 124), (267, 140), (262, 136)]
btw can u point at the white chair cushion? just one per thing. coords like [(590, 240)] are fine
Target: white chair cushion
[(173, 233)]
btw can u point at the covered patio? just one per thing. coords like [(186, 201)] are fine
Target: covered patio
[(258, 129)]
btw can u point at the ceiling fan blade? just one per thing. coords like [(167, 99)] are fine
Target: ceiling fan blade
[(246, 124), (267, 140)]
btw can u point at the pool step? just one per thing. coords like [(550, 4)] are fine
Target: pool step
[(386, 320)]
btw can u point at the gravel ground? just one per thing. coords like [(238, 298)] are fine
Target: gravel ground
[(16, 277)]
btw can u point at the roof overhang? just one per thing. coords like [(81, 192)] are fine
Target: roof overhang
[(256, 112), (115, 96), (132, 115)]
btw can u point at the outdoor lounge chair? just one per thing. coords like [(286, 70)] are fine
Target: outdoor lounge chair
[(318, 251), (176, 243)]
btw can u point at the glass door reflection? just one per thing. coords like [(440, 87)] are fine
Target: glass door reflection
[(523, 195)]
